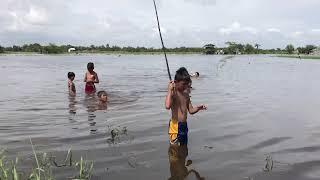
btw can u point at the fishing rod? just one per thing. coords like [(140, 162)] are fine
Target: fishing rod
[(163, 48)]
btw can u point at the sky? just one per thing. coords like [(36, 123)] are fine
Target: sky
[(191, 23)]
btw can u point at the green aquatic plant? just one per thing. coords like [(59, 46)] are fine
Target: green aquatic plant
[(85, 169), (8, 169), (43, 168), (68, 157)]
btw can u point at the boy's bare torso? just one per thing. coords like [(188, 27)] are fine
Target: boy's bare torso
[(72, 87), (179, 106), (90, 77)]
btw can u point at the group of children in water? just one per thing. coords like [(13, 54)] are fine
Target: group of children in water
[(90, 78), (177, 99)]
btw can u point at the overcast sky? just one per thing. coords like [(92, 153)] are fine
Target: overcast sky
[(271, 23)]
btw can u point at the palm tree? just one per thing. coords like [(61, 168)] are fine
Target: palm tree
[(257, 47)]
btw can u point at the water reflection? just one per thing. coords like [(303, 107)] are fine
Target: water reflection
[(72, 107), (180, 169), (93, 104), (90, 103)]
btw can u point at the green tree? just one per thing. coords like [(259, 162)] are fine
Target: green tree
[(248, 49), (290, 48), (310, 48), (52, 49), (232, 48), (209, 49), (1, 49)]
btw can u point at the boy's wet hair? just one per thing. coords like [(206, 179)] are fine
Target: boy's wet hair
[(197, 73), (90, 65), (182, 75), (100, 93), (71, 74)]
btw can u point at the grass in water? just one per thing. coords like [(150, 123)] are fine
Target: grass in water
[(44, 166), (8, 170)]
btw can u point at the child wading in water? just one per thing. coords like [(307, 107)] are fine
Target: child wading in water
[(178, 100), (71, 86), (90, 78)]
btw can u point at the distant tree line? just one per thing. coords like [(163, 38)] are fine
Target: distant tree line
[(231, 48), (238, 48), (308, 49)]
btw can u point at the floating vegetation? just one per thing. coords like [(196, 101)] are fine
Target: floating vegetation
[(44, 166), (116, 134), (269, 164), (132, 161), (207, 147), (222, 62)]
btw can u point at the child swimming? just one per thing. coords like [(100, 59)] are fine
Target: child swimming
[(195, 75)]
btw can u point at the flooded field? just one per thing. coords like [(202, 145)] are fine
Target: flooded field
[(262, 112)]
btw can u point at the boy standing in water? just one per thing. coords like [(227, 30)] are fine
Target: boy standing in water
[(178, 100), (90, 78), (71, 86)]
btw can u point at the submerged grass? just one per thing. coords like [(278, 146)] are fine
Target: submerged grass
[(44, 166)]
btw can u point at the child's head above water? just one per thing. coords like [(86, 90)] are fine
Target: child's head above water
[(90, 66), (182, 79), (103, 96), (71, 76)]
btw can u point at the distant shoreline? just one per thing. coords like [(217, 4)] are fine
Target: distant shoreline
[(120, 53), (297, 56), (93, 53)]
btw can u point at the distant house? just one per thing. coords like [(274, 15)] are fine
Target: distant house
[(316, 51), (220, 51), (71, 49)]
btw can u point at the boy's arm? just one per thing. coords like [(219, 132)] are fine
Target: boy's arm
[(96, 79), (169, 97), (85, 77), (193, 110)]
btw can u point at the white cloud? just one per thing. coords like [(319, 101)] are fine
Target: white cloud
[(273, 30), (183, 22), (237, 28), (36, 16), (297, 33), (315, 30), (203, 2)]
